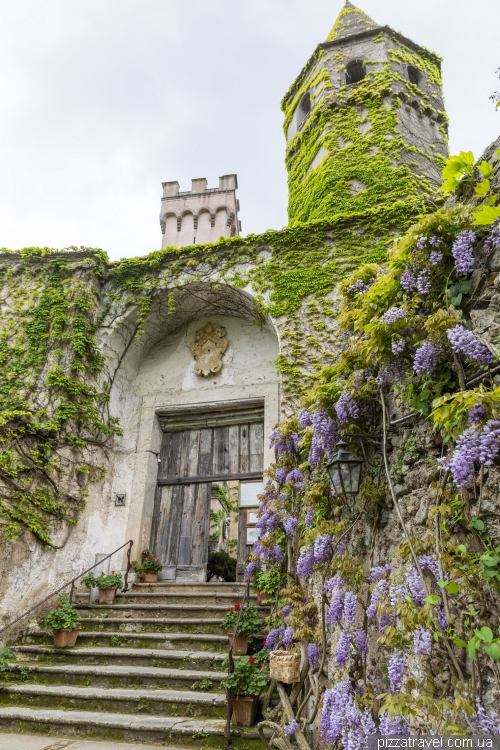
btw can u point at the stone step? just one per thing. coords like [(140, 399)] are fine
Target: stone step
[(173, 611), (115, 676), (236, 589), (188, 733), (167, 641), (158, 593), (153, 624), (145, 702), (199, 660)]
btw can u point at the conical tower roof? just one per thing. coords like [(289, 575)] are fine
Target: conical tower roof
[(351, 21)]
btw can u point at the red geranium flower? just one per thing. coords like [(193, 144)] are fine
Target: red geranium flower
[(113, 571), (263, 643), (232, 609), (251, 661), (237, 606), (140, 571), (57, 606)]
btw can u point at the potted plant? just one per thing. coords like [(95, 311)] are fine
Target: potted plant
[(148, 568), (64, 621), (247, 626), (266, 583), (106, 583), (246, 684)]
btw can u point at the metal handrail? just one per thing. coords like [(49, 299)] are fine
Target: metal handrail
[(229, 712), (72, 584)]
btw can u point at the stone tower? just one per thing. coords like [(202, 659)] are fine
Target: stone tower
[(201, 214), (365, 123)]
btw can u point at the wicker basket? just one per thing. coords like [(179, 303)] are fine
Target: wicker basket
[(284, 667)]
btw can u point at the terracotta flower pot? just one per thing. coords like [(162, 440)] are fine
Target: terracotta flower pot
[(107, 596), (150, 577), (245, 710), (66, 638), (261, 597), (73, 635), (240, 646)]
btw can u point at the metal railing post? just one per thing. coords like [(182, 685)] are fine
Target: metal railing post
[(229, 712)]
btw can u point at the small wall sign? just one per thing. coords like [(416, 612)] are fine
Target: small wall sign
[(120, 499)]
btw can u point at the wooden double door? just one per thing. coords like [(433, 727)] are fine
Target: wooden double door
[(191, 460)]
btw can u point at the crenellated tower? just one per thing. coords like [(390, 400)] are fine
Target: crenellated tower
[(365, 123)]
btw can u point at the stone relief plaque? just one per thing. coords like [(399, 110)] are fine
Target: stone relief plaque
[(208, 348)]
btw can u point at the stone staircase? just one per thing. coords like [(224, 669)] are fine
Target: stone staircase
[(147, 668)]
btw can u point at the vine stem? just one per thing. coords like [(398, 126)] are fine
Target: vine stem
[(405, 531), (288, 711), (438, 544)]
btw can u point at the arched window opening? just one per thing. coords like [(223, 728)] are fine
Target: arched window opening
[(414, 76), (304, 108), (355, 72)]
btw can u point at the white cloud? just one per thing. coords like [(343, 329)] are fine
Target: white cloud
[(102, 101)]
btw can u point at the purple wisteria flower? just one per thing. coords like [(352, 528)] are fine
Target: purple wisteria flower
[(493, 241), (474, 447), (464, 342), (346, 407), (442, 619), (422, 641), (305, 418), (407, 280), (322, 548), (288, 637), (305, 562), (361, 642), (379, 572), (281, 475), (296, 479), (359, 287), (336, 608), (398, 346), (271, 638), (292, 727), (435, 241), (397, 725), (290, 524), (396, 670), (325, 435), (350, 606), (392, 315), (427, 562), (423, 282), (422, 243), (334, 583), (312, 652), (381, 590), (384, 621), (395, 371), (277, 553), (435, 257), (343, 648), (426, 358), (415, 585), (485, 722), (309, 518), (250, 568), (286, 610), (462, 251), (343, 720), (476, 413)]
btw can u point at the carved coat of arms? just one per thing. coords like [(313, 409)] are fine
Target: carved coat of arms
[(208, 348)]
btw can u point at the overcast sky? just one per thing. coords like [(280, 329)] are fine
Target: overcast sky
[(103, 100)]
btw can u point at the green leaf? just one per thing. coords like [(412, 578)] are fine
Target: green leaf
[(455, 301), (456, 169), (493, 650), (464, 287), (486, 634), (460, 642), (442, 584), (485, 215), (485, 168), (461, 549), (432, 599), (472, 647), (491, 200), (482, 189), (477, 524), (452, 587)]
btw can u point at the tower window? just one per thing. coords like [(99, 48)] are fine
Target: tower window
[(304, 109), (414, 76), (355, 72)]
